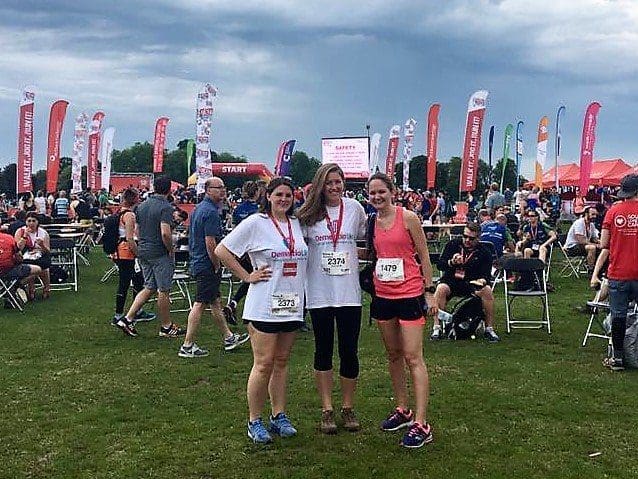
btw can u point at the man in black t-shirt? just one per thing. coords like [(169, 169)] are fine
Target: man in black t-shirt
[(467, 270)]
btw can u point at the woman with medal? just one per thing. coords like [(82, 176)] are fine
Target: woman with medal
[(399, 307), (331, 225), (274, 305)]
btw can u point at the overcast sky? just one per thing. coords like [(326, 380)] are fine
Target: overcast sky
[(288, 69)]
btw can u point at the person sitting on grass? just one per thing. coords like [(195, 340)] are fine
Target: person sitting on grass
[(467, 270)]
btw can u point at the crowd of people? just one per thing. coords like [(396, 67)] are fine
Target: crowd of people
[(298, 251)]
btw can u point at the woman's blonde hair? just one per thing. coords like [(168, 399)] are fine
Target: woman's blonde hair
[(314, 208)]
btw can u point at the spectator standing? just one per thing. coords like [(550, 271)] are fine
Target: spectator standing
[(40, 203), (204, 233), (125, 258), (61, 206), (620, 235), (495, 198), (156, 256)]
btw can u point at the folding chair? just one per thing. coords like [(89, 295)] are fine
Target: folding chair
[(434, 240), (571, 265), (536, 268), (64, 255), (182, 280), (7, 291), (596, 307), (497, 265)]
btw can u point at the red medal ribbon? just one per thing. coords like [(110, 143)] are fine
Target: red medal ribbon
[(334, 235), (288, 242)]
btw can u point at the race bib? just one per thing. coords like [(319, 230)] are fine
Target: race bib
[(284, 304), (390, 269), (137, 268), (536, 247), (335, 263)]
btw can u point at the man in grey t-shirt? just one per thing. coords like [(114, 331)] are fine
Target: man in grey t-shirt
[(156, 257)]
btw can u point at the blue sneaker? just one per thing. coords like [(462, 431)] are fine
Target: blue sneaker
[(281, 425), (397, 420), (258, 433), (417, 436)]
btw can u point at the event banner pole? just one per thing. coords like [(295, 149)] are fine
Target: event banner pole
[(432, 143), (509, 129), (393, 146), (94, 148), (408, 137), (204, 119), (375, 143), (106, 149), (284, 155), (56, 124), (472, 144), (159, 141), (587, 145), (559, 113), (79, 140), (190, 149), (519, 151), (490, 147), (25, 142), (541, 151)]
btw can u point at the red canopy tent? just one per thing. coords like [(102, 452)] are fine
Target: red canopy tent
[(563, 172), (603, 173)]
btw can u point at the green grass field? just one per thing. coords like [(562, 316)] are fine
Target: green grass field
[(79, 399)]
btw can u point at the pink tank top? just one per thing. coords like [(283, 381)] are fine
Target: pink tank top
[(396, 244)]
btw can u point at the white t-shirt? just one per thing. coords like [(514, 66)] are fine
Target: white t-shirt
[(281, 298), (578, 227), (40, 205), (330, 284)]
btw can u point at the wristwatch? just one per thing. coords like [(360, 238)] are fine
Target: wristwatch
[(430, 289)]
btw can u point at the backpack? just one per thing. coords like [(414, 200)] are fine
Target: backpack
[(83, 210), (631, 342), (467, 315), (111, 233)]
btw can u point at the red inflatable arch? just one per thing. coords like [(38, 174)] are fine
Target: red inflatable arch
[(238, 169)]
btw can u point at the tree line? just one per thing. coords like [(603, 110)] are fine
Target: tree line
[(138, 158)]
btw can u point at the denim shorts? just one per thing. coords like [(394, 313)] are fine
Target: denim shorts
[(158, 273)]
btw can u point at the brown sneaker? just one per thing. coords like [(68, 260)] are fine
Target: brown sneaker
[(328, 425), (350, 421)]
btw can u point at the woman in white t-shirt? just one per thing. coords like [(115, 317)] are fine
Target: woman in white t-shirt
[(274, 305), (331, 227), (35, 244)]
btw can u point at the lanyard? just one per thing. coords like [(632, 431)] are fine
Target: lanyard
[(464, 259), (288, 242), (533, 232), (335, 234)]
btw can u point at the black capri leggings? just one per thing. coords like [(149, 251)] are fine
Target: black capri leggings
[(348, 319), (127, 273)]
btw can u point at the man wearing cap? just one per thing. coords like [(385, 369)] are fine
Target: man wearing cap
[(620, 235)]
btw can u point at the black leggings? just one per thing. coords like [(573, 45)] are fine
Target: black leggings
[(348, 319), (127, 272)]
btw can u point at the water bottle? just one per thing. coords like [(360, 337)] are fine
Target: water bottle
[(444, 317)]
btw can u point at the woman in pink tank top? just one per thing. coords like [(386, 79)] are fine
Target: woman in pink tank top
[(399, 306)]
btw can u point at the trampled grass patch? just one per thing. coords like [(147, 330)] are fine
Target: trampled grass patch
[(79, 399)]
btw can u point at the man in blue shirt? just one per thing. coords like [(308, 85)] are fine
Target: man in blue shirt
[(204, 232)]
